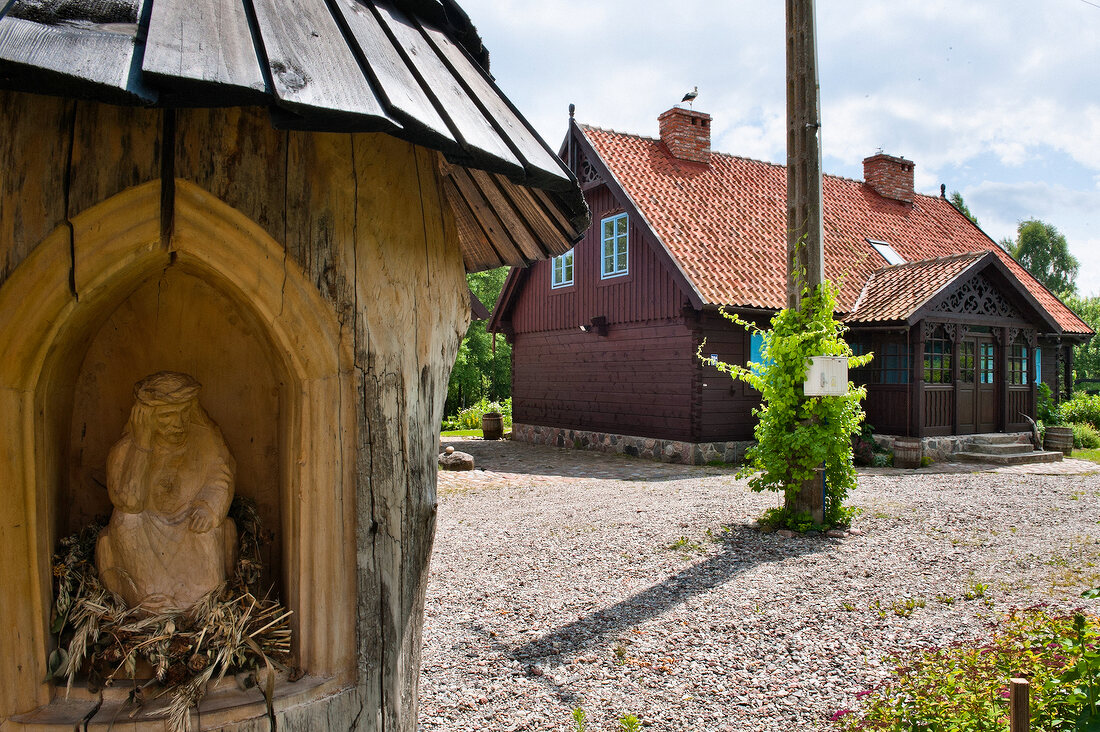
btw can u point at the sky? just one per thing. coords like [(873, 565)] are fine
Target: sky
[(997, 99)]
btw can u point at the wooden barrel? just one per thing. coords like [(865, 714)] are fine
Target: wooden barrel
[(907, 452), (1059, 438), (492, 426)]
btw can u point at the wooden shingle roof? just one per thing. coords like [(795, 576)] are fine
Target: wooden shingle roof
[(414, 69), (723, 225)]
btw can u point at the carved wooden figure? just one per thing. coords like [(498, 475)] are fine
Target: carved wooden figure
[(170, 479)]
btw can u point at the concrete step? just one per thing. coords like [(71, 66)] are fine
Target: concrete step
[(1018, 458), (1007, 448), (992, 438)]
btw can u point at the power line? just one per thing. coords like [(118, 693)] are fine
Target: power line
[(1088, 2)]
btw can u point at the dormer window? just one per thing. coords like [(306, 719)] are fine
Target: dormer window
[(561, 273), (615, 242), (892, 258)]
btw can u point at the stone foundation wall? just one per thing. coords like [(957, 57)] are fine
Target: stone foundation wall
[(665, 451), (940, 449)]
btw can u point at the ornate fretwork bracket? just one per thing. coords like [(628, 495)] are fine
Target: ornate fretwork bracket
[(1030, 336), (977, 296), (587, 173)]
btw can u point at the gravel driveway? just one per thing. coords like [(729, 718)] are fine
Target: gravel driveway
[(562, 578)]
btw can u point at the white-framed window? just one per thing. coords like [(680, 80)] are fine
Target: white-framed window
[(615, 252), (561, 271)]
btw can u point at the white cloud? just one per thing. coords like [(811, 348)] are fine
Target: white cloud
[(990, 96)]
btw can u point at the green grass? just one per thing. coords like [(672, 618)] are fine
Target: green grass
[(1093, 454), (461, 433)]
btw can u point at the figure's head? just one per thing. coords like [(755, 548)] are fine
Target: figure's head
[(164, 405)]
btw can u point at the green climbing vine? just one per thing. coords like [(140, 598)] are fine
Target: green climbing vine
[(794, 433)]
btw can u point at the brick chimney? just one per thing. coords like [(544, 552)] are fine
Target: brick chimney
[(686, 134), (890, 177)]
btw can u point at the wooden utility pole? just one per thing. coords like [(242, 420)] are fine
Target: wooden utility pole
[(803, 151)]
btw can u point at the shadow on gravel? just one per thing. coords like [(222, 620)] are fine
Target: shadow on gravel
[(743, 548)]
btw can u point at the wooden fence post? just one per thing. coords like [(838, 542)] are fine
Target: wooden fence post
[(1019, 706)]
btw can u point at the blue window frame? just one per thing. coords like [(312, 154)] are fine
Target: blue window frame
[(1038, 365), (561, 271), (615, 238), (985, 363), (756, 351)]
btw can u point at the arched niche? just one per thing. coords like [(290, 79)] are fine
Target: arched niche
[(56, 376), (177, 320)]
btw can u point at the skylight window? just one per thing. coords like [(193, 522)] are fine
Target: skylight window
[(886, 251)]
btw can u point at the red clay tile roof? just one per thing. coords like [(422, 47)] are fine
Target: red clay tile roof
[(725, 225), (895, 293)]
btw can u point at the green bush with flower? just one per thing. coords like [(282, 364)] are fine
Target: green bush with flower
[(964, 687)]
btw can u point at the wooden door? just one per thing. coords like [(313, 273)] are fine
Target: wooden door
[(986, 400), (976, 389)]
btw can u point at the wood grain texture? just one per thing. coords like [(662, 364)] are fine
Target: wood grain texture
[(205, 41), (235, 154), (390, 71), (55, 58), (543, 167), (43, 125), (620, 383), (311, 64), (320, 214), (469, 123), (404, 363), (114, 148)]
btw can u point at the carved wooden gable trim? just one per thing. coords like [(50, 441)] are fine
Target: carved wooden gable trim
[(586, 171), (977, 296)]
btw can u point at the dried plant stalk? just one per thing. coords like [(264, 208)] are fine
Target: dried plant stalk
[(230, 630)]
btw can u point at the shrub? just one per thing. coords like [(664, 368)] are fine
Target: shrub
[(964, 687), (1081, 408), (1045, 408), (1085, 436), (470, 417)]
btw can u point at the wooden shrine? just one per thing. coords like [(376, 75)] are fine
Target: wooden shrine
[(280, 200)]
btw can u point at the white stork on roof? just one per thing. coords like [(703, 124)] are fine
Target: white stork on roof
[(690, 96)]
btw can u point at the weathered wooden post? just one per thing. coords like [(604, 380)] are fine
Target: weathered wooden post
[(805, 250), (280, 200), (1019, 706)]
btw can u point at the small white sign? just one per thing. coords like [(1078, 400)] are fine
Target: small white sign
[(827, 376)]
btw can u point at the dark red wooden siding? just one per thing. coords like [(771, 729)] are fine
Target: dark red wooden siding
[(646, 293), (726, 405), (636, 380)]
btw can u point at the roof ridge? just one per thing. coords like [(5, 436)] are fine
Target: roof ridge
[(734, 156)]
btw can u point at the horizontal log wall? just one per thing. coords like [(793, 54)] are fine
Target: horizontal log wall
[(636, 380)]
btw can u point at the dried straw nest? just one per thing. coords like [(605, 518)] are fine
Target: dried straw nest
[(231, 630)]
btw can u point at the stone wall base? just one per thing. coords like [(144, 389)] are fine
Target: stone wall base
[(665, 451), (940, 449)]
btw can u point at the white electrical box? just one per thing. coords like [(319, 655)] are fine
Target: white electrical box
[(827, 376)]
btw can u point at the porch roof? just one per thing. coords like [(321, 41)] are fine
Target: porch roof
[(908, 292)]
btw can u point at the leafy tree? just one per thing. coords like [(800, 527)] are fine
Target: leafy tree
[(958, 202), (481, 371), (1086, 357), (1043, 252)]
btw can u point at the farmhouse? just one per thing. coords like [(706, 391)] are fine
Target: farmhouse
[(605, 336), (278, 201)]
